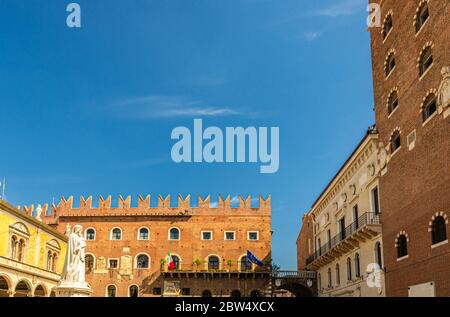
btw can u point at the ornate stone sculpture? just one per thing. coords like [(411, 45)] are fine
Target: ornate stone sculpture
[(39, 213), (74, 267), (382, 156), (73, 283), (444, 90)]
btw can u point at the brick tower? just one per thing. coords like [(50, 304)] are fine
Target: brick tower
[(411, 74)]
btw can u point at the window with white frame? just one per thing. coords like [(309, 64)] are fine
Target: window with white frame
[(207, 235), (113, 263), (90, 234), (174, 234), (230, 235), (144, 234), (116, 234), (253, 235)]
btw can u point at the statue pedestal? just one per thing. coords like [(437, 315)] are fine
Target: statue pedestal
[(73, 290)]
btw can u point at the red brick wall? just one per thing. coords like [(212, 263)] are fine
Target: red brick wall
[(417, 182), (306, 233), (159, 220)]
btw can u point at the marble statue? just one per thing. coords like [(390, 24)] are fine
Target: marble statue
[(39, 213), (74, 267)]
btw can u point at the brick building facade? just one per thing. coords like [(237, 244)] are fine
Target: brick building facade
[(411, 74), (128, 246), (305, 241)]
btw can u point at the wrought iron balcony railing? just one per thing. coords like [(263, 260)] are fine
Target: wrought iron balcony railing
[(369, 218)]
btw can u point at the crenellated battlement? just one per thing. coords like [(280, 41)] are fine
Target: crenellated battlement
[(123, 206)]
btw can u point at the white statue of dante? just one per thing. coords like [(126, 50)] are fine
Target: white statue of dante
[(74, 267)]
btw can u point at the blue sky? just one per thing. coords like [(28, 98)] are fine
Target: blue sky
[(90, 111)]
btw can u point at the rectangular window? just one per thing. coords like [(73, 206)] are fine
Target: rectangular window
[(342, 228), (207, 235), (230, 235), (113, 263), (329, 239), (355, 216), (375, 201), (157, 291), (185, 291), (253, 235)]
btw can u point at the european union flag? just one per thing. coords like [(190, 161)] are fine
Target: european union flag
[(252, 258)]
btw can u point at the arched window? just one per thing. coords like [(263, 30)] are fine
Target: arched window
[(22, 289), (90, 234), (378, 254), (395, 141), (338, 274), (39, 291), (133, 291), (330, 282), (206, 293), (429, 107), (349, 269), (89, 262), (255, 293), (390, 64), (357, 266), (402, 246), (392, 102), (387, 27), (143, 234), (116, 234), (425, 60), (213, 263), (176, 262), (235, 293), (422, 16), (246, 265), (438, 230), (142, 261), (4, 287), (111, 291), (174, 234)]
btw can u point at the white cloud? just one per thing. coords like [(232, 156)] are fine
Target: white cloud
[(342, 8), (154, 107), (311, 36)]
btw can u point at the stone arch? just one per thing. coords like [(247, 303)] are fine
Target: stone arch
[(5, 285), (40, 291), (297, 289), (23, 288)]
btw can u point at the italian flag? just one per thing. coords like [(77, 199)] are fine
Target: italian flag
[(170, 263)]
